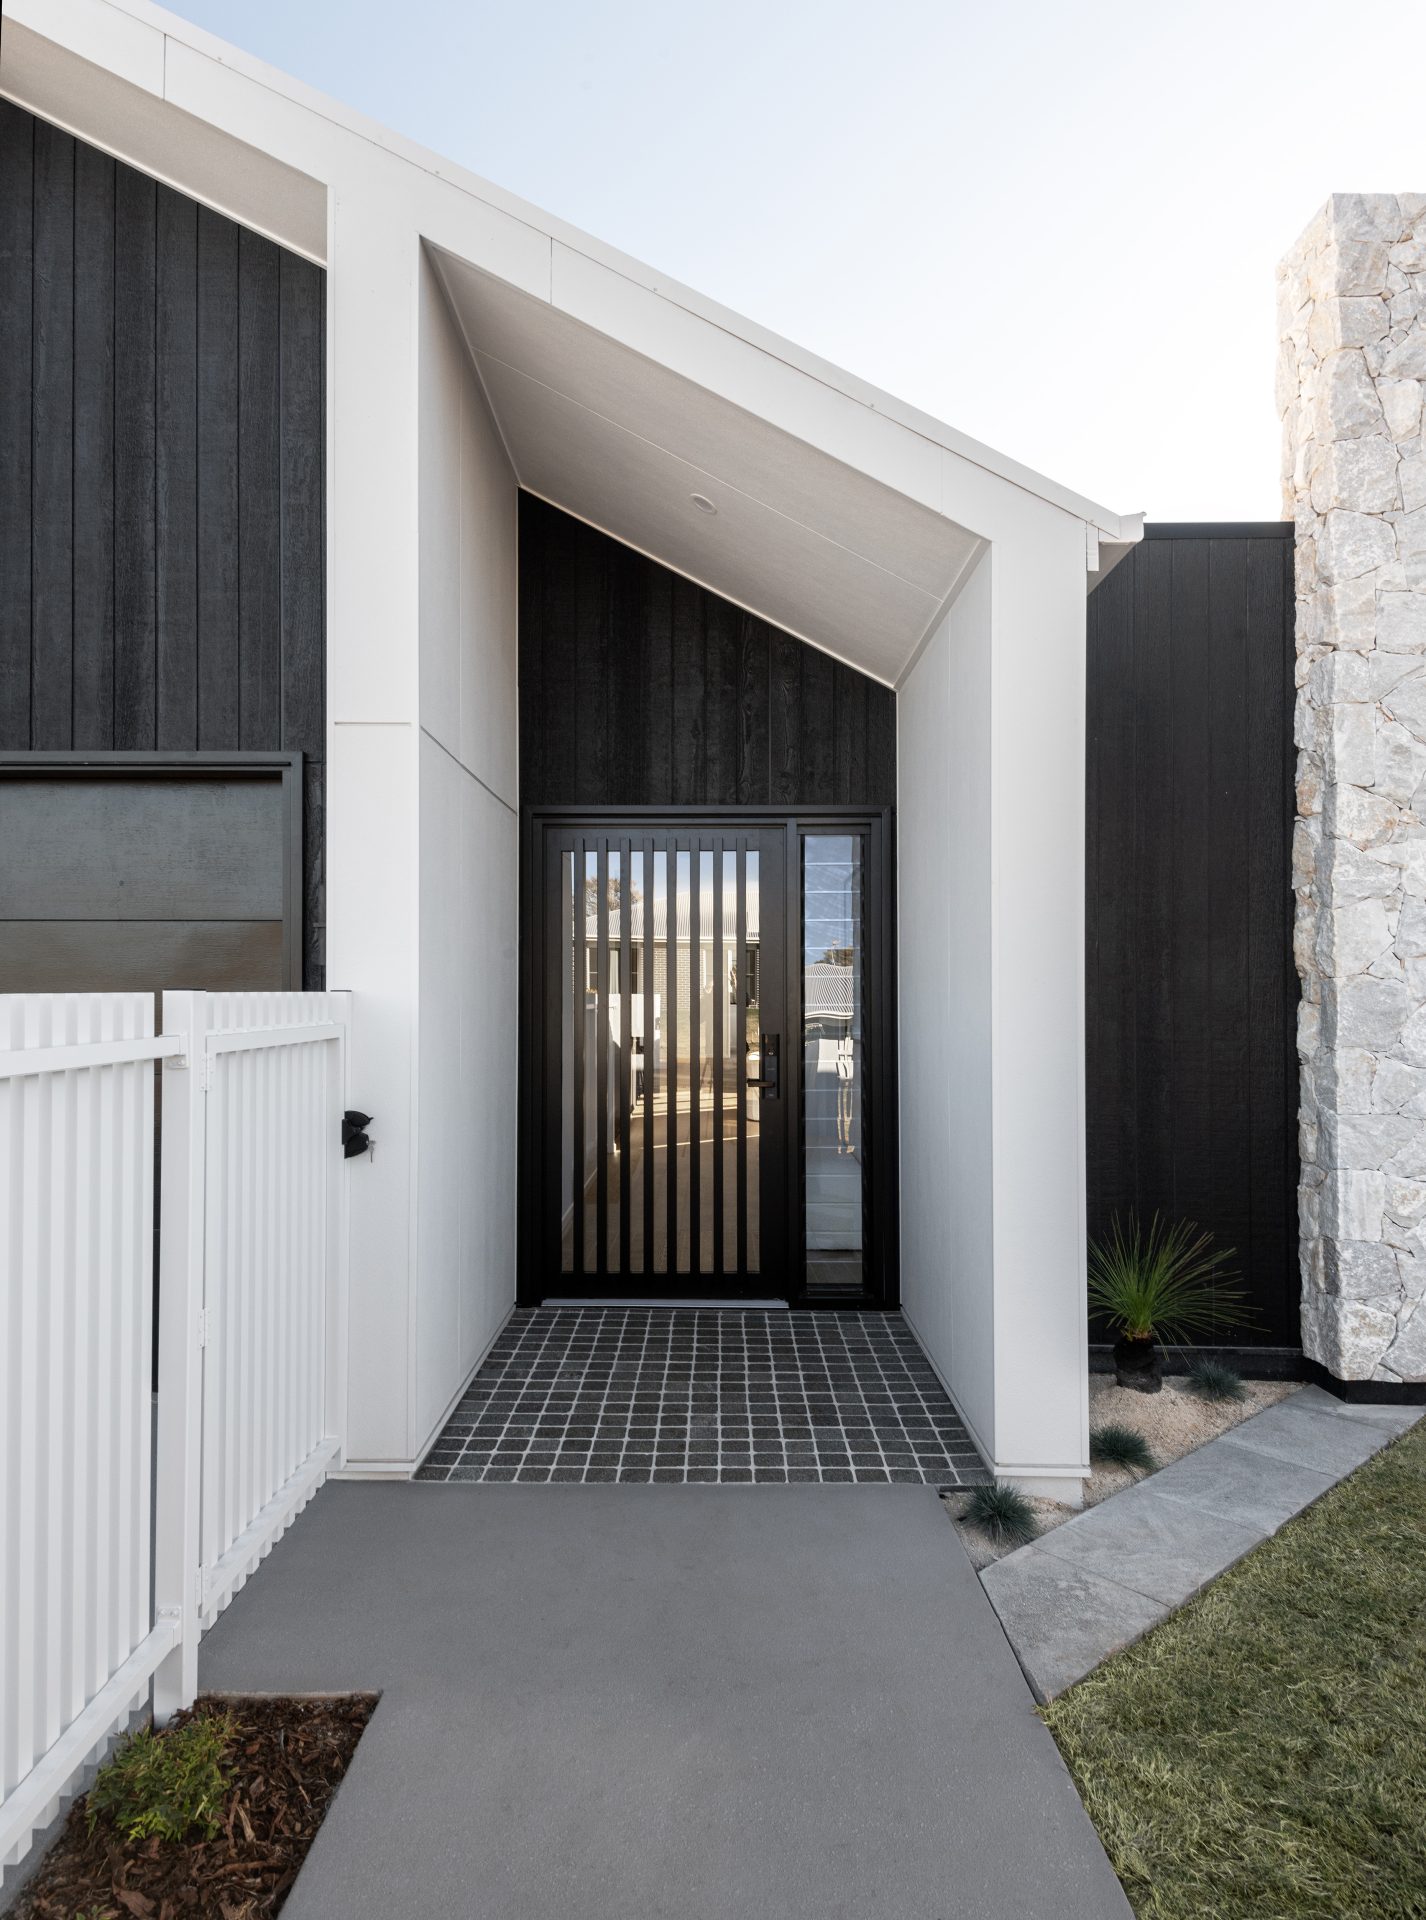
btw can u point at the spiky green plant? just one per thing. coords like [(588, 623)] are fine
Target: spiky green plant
[(1211, 1380), (1164, 1282), (1004, 1513), (1116, 1445), (166, 1785)]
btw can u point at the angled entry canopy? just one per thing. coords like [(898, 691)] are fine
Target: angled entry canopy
[(637, 444)]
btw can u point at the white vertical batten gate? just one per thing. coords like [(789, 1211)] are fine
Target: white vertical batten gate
[(99, 1593), (78, 1638), (252, 1329)]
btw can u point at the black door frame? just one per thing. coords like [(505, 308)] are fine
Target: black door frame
[(881, 1236)]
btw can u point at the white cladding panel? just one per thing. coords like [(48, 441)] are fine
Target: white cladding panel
[(944, 1005), (464, 1270)]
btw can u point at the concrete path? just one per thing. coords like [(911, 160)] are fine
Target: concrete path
[(1089, 1587), (625, 1703)]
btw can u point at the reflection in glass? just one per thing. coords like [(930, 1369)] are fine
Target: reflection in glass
[(833, 1060), (680, 1115), (660, 1033), (751, 1025), (571, 964), (656, 946)]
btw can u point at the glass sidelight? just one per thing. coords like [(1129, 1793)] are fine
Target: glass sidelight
[(833, 1062), (666, 1064)]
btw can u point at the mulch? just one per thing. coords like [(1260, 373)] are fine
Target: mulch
[(286, 1759)]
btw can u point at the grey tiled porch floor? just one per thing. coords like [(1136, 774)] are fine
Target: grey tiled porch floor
[(705, 1395)]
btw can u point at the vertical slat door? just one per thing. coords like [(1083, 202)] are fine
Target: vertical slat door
[(658, 960)]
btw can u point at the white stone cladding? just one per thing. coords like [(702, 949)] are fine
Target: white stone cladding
[(1351, 377)]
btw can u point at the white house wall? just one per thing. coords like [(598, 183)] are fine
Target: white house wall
[(990, 831), (371, 946), (1037, 720), (464, 1171), (944, 1003)]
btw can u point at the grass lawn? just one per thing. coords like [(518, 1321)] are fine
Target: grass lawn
[(1263, 1753)]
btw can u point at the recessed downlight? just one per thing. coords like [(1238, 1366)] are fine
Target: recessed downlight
[(702, 502)]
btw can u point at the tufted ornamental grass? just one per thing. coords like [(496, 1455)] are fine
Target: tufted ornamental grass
[(1262, 1755), (1117, 1445), (1212, 1381), (1003, 1514)]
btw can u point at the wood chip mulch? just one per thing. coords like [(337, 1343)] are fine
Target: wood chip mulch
[(286, 1759)]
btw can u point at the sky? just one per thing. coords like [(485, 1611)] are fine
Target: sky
[(1052, 225)]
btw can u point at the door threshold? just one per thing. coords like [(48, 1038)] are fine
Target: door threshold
[(729, 1306)]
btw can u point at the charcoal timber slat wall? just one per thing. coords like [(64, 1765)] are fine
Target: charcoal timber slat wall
[(1191, 993), (638, 688), (162, 474)]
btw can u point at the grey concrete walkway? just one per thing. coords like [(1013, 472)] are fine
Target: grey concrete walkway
[(623, 1703), (1089, 1587)]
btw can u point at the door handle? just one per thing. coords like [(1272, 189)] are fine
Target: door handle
[(767, 1080)]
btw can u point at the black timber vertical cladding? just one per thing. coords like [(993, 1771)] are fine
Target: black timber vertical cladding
[(162, 486), (1191, 992), (640, 688)]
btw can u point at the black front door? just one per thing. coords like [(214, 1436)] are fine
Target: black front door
[(656, 1121)]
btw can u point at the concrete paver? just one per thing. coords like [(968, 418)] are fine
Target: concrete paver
[(1144, 1552)]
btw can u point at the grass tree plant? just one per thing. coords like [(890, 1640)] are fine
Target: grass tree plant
[(1163, 1282)]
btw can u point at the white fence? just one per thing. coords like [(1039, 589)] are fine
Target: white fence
[(99, 1595), (78, 1639)]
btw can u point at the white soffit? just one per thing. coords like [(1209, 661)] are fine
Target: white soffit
[(618, 439)]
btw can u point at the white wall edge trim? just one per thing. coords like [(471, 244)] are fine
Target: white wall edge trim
[(982, 1448), (403, 1469), (1002, 1469)]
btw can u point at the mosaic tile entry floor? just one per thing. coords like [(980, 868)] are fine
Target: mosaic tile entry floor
[(705, 1395)]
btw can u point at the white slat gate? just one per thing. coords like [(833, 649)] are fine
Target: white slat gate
[(253, 1323)]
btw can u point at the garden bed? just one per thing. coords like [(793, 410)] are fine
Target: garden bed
[(1172, 1422), (284, 1760), (1263, 1752)]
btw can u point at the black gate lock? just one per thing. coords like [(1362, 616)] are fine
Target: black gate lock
[(355, 1138)]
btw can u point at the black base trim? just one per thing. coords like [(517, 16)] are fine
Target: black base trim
[(1254, 1363), (1366, 1393), (1280, 1363)]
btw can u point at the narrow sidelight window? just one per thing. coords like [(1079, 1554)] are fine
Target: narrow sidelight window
[(833, 1061)]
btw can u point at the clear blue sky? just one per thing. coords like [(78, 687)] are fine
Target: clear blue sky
[(1053, 225)]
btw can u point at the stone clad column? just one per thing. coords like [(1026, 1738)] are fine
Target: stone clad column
[(1352, 370)]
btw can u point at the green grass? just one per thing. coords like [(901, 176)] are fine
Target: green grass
[(1263, 1753)]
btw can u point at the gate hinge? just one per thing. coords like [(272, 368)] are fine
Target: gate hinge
[(205, 1064), (205, 1325)]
